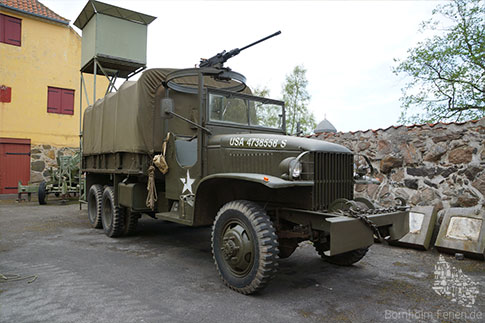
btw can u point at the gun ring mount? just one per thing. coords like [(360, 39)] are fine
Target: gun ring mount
[(236, 81)]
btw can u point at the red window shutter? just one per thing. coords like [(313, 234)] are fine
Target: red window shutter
[(54, 100), (2, 28), (5, 94), (67, 102), (12, 30)]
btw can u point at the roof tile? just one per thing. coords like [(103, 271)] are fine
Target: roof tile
[(33, 7)]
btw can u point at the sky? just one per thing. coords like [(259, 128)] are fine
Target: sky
[(347, 47)]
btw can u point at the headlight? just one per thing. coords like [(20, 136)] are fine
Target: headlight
[(295, 169)]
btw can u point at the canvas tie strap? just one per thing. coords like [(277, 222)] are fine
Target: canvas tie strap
[(159, 160), (152, 191)]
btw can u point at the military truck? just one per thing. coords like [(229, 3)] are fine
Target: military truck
[(195, 147)]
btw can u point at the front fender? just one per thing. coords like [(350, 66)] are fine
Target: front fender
[(266, 180)]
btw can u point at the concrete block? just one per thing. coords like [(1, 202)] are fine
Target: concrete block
[(422, 220), (462, 230)]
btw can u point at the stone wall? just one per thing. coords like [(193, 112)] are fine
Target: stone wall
[(43, 157), (440, 164)]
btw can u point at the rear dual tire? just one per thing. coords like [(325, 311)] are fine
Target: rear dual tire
[(95, 199), (102, 213), (112, 216)]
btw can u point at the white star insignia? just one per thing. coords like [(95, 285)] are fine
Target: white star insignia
[(187, 183)]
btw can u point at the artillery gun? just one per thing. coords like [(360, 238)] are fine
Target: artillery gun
[(63, 181), (195, 147)]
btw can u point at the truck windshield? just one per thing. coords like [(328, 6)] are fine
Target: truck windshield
[(245, 110)]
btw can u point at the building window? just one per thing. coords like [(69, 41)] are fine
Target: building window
[(10, 30), (60, 100)]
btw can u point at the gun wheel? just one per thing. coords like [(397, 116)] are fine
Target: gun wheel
[(95, 198), (111, 215), (42, 193), (244, 246), (344, 259)]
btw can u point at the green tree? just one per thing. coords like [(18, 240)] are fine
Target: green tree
[(296, 98), (447, 71), (261, 91)]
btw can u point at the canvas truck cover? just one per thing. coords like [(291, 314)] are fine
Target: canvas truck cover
[(129, 119)]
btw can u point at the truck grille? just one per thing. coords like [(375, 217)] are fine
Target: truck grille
[(333, 178)]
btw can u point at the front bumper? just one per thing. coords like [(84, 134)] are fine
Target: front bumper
[(348, 233)]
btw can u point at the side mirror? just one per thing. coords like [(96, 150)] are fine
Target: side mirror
[(166, 107)]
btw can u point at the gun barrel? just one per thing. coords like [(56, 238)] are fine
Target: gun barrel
[(261, 40)]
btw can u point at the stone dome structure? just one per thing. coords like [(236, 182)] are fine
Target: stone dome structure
[(325, 126)]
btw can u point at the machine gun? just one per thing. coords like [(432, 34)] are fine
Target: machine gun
[(222, 57)]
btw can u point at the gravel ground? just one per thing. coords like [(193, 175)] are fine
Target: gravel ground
[(165, 273)]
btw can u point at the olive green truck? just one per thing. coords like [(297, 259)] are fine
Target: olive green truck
[(193, 146)]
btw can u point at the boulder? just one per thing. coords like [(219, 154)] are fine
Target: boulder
[(411, 183), (390, 162), (435, 153), (479, 183), (461, 155), (38, 165)]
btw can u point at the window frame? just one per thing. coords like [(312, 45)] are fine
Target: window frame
[(3, 30), (63, 106), (246, 97)]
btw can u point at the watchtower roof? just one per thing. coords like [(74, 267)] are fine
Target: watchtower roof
[(93, 7)]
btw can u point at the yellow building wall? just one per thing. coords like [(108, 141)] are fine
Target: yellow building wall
[(50, 55)]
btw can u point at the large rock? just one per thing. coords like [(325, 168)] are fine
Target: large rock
[(372, 189), (397, 175), (448, 171), (51, 154), (410, 155), (461, 155), (36, 177), (38, 165), (424, 197), (465, 200), (471, 172), (363, 145), (384, 147), (479, 183), (411, 183), (435, 153), (424, 171), (442, 136), (390, 162)]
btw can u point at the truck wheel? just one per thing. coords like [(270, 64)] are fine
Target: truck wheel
[(343, 259), (244, 246), (112, 216), (95, 199), (131, 221), (42, 193)]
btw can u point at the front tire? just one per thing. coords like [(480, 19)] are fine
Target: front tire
[(95, 199), (344, 259), (244, 246), (112, 216)]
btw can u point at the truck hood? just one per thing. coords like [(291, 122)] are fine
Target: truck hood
[(274, 142)]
